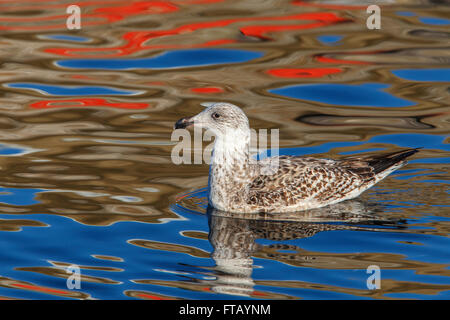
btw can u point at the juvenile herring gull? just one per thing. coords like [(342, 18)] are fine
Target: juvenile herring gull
[(239, 183)]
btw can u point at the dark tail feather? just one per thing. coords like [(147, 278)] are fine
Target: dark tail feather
[(383, 162)]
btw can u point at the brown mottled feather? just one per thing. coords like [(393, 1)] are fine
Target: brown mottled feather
[(319, 180)]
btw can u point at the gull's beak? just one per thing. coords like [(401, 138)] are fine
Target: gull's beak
[(183, 123)]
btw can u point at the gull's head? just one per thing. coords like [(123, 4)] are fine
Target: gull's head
[(219, 117)]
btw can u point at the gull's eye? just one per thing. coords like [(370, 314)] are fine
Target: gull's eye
[(215, 115)]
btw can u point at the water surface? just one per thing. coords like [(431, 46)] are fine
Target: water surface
[(87, 178)]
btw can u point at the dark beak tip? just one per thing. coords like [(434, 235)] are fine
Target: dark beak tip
[(182, 123), (178, 125)]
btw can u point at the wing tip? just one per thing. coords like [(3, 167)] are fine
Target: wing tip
[(387, 161)]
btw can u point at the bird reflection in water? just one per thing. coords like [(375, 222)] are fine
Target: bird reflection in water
[(233, 237)]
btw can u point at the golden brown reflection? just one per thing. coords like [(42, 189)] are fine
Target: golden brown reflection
[(61, 273), (59, 270), (195, 252), (17, 224), (110, 258)]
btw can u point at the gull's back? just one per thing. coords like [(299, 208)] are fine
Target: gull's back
[(300, 183)]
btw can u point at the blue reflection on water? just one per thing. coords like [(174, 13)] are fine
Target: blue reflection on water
[(65, 37), (166, 60), (6, 150), (19, 196), (74, 243), (405, 13), (329, 39), (367, 94), (434, 21), (440, 74), (426, 20)]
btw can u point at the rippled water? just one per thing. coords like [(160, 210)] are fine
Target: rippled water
[(87, 179)]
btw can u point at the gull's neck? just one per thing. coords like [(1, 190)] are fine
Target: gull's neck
[(231, 169), (232, 149)]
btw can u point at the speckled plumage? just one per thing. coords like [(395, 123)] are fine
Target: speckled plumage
[(238, 183)]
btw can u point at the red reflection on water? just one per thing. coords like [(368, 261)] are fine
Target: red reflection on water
[(259, 293), (89, 102), (207, 90), (104, 15), (151, 296), (135, 40), (134, 44), (143, 7), (41, 289), (322, 18), (80, 76), (303, 73)]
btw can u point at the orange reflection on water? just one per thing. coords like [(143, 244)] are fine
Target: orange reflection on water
[(151, 296), (135, 39), (303, 73), (207, 90), (117, 13), (41, 289)]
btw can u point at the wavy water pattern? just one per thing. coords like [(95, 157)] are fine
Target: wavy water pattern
[(87, 177)]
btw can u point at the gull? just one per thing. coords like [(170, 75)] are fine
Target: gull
[(239, 183)]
